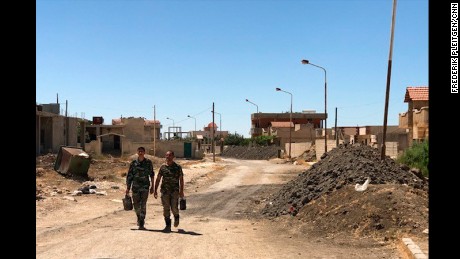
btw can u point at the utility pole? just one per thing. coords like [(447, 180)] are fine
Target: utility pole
[(66, 126), (212, 135), (336, 133), (387, 95)]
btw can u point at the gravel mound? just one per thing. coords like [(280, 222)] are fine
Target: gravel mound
[(342, 166), (251, 153)]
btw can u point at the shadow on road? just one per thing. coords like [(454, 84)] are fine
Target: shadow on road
[(179, 231)]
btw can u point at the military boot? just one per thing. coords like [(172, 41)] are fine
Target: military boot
[(176, 221), (141, 224), (167, 229)]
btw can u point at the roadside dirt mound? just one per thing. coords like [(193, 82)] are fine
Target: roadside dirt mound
[(395, 201), (386, 210), (251, 153)]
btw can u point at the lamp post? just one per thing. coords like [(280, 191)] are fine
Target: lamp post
[(173, 127), (194, 119), (257, 126), (290, 121), (254, 104), (170, 119), (306, 62)]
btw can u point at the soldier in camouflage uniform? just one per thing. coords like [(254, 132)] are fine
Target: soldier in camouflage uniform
[(172, 187), (139, 177)]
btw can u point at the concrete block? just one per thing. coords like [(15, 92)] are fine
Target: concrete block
[(420, 256), (415, 250), (407, 241)]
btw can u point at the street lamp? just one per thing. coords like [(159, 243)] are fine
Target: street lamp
[(257, 126), (170, 119), (194, 119), (220, 123), (306, 62), (290, 121), (254, 104)]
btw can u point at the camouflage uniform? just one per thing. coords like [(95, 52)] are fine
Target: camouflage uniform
[(139, 175), (170, 188)]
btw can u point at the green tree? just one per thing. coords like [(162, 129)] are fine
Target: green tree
[(234, 140)]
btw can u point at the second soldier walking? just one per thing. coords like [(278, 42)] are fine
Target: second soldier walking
[(172, 187)]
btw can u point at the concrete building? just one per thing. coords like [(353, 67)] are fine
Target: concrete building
[(207, 132), (261, 123), (53, 130), (204, 137), (415, 119), (122, 136), (396, 138), (306, 127), (125, 135), (413, 126)]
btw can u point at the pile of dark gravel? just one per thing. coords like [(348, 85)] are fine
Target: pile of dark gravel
[(251, 153), (344, 165)]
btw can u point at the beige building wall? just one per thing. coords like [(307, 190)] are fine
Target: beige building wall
[(161, 146), (301, 133), (92, 147), (134, 129), (391, 149), (297, 149), (283, 135), (55, 133), (319, 147), (73, 132)]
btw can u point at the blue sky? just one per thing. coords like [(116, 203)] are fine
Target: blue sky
[(121, 58)]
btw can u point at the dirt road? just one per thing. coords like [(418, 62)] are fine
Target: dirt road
[(222, 220)]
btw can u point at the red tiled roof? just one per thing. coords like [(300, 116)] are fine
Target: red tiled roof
[(281, 124), (416, 93)]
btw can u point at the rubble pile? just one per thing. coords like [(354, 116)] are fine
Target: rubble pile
[(309, 155), (346, 165), (251, 153)]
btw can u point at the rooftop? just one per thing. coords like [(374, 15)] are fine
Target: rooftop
[(416, 93)]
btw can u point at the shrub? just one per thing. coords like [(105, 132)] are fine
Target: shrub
[(416, 156), (263, 140)]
